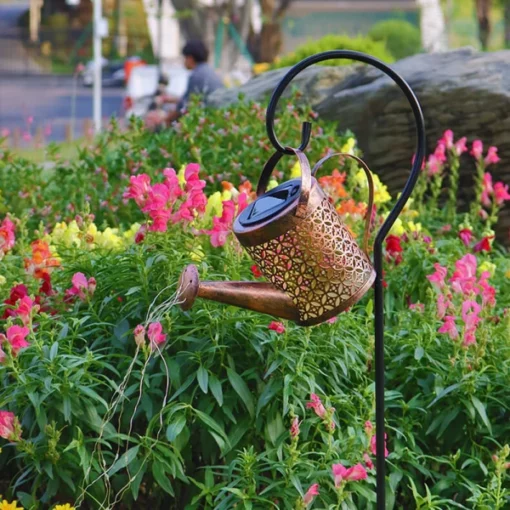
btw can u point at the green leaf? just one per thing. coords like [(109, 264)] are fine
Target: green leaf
[(215, 386), (267, 395), (158, 470), (53, 351), (212, 424), (175, 428), (242, 390), (63, 331), (418, 353), (25, 499), (125, 459), (444, 393), (203, 378), (135, 484), (480, 408), (92, 394), (275, 427), (67, 408)]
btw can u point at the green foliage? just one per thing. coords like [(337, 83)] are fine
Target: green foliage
[(336, 42), (402, 38), (205, 422)]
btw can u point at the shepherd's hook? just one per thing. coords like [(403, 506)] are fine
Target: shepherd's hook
[(381, 234)]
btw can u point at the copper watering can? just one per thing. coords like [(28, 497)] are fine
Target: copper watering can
[(294, 234)]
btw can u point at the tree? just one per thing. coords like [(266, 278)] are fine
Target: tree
[(483, 8)]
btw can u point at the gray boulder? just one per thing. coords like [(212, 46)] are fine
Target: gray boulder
[(463, 90)]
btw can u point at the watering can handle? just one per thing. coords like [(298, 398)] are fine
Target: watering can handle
[(306, 178), (370, 180)]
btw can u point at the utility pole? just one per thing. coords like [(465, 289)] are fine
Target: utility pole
[(98, 29), (160, 34)]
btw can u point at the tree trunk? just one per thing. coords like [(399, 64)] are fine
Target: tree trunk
[(483, 8), (192, 24)]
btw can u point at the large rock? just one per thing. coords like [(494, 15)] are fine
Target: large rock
[(463, 90)]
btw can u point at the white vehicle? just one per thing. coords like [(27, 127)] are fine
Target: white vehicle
[(112, 74), (145, 82)]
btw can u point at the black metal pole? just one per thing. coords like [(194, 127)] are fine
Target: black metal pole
[(383, 231)]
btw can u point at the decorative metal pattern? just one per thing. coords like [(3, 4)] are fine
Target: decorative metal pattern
[(317, 263)]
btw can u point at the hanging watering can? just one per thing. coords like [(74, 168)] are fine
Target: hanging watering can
[(300, 244)]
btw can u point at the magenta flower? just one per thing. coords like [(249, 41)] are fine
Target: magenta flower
[(139, 333), (460, 146), (24, 310), (172, 183), (434, 165), (466, 235), (464, 276), (16, 336), (368, 461), (277, 326), (294, 428), (310, 494), (442, 306), (7, 237), (2, 352), (353, 474), (437, 278), (487, 189), (449, 327), (316, 405), (10, 427), (156, 335), (138, 189), (82, 287), (447, 139), (222, 226), (501, 194), (373, 446), (440, 152), (477, 149), (488, 292), (492, 156)]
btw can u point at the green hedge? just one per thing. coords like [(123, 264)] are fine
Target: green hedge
[(401, 38)]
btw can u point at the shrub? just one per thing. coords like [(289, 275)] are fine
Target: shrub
[(122, 400), (336, 42), (402, 38)]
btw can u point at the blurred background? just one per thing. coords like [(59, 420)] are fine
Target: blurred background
[(46, 48)]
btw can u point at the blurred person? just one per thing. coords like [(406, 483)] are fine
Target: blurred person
[(203, 80)]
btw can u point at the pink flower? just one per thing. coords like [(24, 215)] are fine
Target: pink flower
[(483, 245), (7, 238), (10, 427), (460, 146), (353, 474), (30, 119), (487, 189), (492, 156), (138, 189), (442, 306), (464, 276), (316, 405), (368, 461), (310, 494), (449, 327), (437, 278), (16, 336), (434, 165), (4, 132), (501, 193), (139, 333), (465, 236), (373, 446), (222, 226), (440, 152), (417, 306), (2, 352), (470, 311), (172, 183), (82, 287), (488, 292), (477, 149), (156, 335), (24, 310), (294, 428), (447, 139), (277, 326), (332, 320), (369, 428), (140, 235)]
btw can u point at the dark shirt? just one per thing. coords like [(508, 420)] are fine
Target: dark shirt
[(202, 81)]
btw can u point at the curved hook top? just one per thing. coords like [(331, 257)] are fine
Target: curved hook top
[(307, 129)]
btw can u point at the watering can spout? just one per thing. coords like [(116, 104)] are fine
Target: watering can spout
[(256, 296)]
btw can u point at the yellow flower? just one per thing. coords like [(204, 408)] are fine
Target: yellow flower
[(5, 505), (260, 68), (67, 506), (129, 235), (487, 266), (381, 194), (414, 227), (295, 172), (272, 184), (226, 195), (214, 205), (507, 274), (398, 228), (181, 177), (109, 239), (348, 147), (2, 279)]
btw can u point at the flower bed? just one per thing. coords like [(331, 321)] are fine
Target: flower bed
[(113, 397)]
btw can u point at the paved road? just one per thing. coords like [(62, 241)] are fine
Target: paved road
[(25, 92), (48, 100)]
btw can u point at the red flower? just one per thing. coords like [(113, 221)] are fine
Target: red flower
[(277, 326), (483, 245), (256, 271)]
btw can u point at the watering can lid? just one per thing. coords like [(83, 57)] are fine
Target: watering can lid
[(270, 204)]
